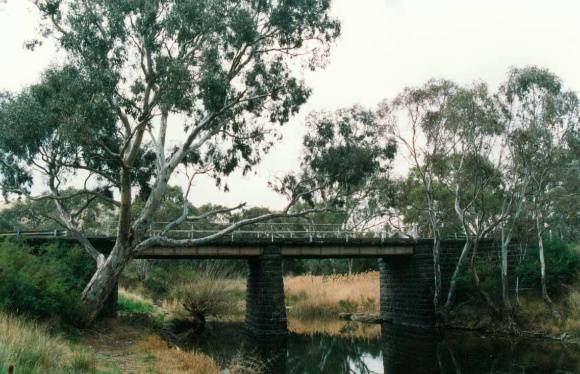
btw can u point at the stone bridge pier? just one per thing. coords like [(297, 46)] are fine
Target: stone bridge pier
[(265, 308), (407, 284)]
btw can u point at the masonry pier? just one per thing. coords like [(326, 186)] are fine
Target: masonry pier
[(406, 288), (265, 309)]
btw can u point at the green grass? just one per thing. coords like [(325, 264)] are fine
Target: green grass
[(130, 305)]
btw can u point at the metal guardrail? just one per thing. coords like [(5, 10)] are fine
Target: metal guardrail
[(262, 231)]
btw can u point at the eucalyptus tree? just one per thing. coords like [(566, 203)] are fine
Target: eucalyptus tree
[(349, 149), (407, 118), (349, 153), (472, 123), (543, 121), (152, 87)]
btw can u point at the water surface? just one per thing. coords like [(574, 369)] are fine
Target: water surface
[(345, 347)]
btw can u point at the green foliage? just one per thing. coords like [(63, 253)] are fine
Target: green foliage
[(348, 152), (129, 305), (223, 65), (562, 266), (44, 282)]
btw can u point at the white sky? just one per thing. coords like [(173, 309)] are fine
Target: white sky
[(385, 46)]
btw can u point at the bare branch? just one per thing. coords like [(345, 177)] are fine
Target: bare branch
[(164, 241)]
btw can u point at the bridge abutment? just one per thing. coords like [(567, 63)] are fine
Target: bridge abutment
[(265, 309), (406, 289)]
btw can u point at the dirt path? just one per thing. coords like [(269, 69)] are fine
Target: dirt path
[(117, 347)]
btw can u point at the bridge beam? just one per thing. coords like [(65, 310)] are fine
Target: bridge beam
[(265, 309), (406, 289)]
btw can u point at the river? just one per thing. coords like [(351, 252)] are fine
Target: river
[(348, 347)]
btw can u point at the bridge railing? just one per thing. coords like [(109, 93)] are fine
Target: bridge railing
[(259, 231)]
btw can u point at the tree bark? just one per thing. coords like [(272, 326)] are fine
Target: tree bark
[(545, 295), (456, 272), (436, 271), (505, 241), (102, 283)]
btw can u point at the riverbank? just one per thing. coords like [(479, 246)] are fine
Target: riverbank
[(141, 339)]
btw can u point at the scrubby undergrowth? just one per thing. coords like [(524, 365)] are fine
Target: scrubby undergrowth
[(31, 349)]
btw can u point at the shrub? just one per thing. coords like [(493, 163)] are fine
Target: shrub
[(30, 349), (207, 297), (43, 282), (562, 266)]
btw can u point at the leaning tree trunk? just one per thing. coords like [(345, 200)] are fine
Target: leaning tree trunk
[(436, 271), (456, 272), (477, 282), (101, 285)]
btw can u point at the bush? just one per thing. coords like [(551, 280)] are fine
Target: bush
[(208, 293), (30, 349), (562, 267), (207, 297), (44, 282)]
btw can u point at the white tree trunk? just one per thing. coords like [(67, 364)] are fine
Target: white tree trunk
[(505, 242), (545, 295), (102, 283), (436, 271), (456, 272)]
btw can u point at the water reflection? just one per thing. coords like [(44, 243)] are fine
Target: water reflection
[(343, 348)]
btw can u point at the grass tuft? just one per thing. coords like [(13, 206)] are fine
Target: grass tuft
[(133, 303), (170, 360), (31, 349)]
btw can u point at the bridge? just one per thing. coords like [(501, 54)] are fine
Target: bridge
[(405, 265)]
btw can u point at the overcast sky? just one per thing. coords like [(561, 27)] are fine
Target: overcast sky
[(385, 46)]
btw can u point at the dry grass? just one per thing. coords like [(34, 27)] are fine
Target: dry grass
[(169, 360), (307, 296), (31, 349), (208, 297), (322, 296), (334, 327), (243, 364), (536, 315)]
